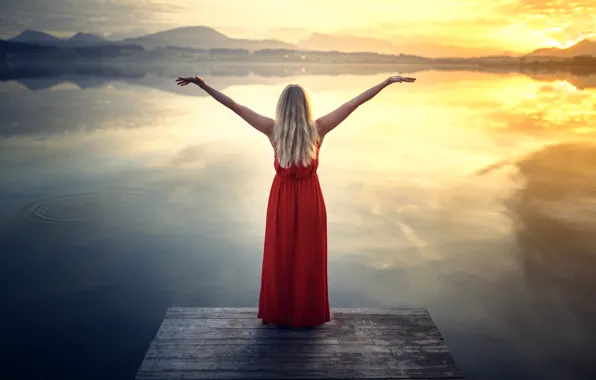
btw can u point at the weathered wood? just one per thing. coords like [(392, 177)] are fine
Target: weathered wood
[(250, 312), (316, 363), (195, 350), (360, 320), (256, 334), (231, 343)]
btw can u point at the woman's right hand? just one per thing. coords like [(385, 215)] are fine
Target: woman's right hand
[(399, 79), (183, 81)]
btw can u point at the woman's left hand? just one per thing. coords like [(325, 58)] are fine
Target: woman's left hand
[(400, 79)]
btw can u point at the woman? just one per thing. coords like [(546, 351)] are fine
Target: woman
[(294, 275)]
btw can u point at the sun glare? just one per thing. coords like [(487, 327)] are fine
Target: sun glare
[(570, 43)]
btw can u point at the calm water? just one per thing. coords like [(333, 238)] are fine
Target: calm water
[(471, 194)]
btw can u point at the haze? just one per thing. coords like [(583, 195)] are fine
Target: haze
[(495, 27)]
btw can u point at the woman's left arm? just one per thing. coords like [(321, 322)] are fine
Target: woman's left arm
[(261, 123)]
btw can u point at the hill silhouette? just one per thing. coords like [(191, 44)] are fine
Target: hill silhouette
[(42, 38), (204, 37), (205, 43), (582, 48), (35, 37)]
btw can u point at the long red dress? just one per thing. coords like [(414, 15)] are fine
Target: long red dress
[(294, 277)]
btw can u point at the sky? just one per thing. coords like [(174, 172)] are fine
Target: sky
[(510, 25)]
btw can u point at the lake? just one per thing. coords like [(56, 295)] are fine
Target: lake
[(472, 194)]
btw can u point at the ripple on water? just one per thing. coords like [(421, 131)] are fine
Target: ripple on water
[(84, 207)]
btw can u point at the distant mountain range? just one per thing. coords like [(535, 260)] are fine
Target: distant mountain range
[(202, 37), (42, 38), (199, 37)]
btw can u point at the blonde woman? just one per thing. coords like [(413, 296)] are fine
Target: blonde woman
[(294, 274)]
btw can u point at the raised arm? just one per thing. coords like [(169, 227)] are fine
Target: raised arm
[(326, 123), (259, 122)]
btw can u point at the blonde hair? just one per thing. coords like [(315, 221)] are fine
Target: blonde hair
[(295, 133)]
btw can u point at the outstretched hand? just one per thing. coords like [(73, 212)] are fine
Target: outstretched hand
[(399, 79), (183, 81)]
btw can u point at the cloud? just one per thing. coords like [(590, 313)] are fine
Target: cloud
[(85, 15), (560, 20), (549, 7), (556, 109), (508, 24)]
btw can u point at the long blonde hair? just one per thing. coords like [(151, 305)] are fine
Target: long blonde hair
[(295, 133)]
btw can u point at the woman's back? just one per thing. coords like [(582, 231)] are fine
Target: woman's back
[(299, 171)]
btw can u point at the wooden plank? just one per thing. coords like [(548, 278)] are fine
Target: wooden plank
[(217, 338), (410, 324), (181, 346), (321, 364), (179, 351), (251, 312), (176, 350), (255, 334), (190, 332), (363, 320), (231, 343)]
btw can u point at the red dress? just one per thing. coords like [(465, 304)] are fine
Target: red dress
[(294, 276)]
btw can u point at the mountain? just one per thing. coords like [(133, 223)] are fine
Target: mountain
[(183, 37), (202, 37), (584, 47), (348, 43), (35, 37), (87, 39), (41, 38)]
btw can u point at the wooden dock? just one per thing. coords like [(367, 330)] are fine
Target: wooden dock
[(231, 343)]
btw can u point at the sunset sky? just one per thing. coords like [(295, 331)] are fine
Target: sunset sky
[(513, 25)]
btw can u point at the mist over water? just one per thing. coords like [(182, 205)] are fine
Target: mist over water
[(472, 194)]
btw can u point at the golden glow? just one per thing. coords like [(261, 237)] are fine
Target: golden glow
[(495, 26), (568, 44)]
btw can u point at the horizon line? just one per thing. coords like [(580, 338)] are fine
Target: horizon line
[(505, 52)]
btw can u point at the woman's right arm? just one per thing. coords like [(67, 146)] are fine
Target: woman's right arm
[(326, 123), (261, 123)]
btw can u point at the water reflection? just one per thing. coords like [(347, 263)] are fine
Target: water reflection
[(554, 110), (555, 215), (471, 194), (581, 81)]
